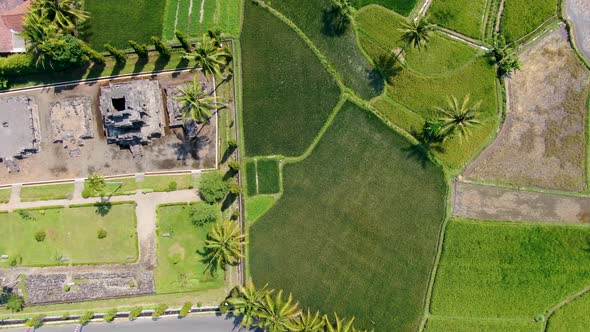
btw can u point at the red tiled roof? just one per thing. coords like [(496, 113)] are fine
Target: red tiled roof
[(12, 14)]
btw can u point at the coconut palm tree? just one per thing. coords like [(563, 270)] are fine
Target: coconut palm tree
[(339, 325), (223, 246), (306, 322), (65, 14), (277, 315), (197, 105), (459, 117), (210, 56), (245, 302), (38, 31), (415, 32)]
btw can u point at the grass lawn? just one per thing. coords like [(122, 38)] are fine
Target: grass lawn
[(509, 270), (521, 17), (289, 94), (71, 233), (116, 22), (269, 179), (180, 266), (128, 186), (356, 228), (572, 317), (5, 195), (45, 193), (258, 206), (341, 51), (446, 68), (466, 18), (436, 324), (403, 7)]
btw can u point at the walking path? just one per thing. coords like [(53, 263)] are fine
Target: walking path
[(498, 203)]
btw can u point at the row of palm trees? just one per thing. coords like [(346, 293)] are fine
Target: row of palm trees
[(269, 310)]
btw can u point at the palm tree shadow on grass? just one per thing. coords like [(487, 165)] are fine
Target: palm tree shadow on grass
[(423, 151), (103, 208)]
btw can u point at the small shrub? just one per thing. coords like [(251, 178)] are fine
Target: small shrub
[(213, 187), (235, 215), (35, 322), (199, 304), (119, 55), (66, 288), (4, 83), (161, 47), (15, 303), (202, 213), (159, 311), (65, 316), (235, 188), (234, 165), (135, 312), (183, 41), (186, 309), (140, 49), (172, 186), (25, 215), (86, 193), (110, 316), (40, 236), (84, 319), (232, 144), (101, 234), (15, 260), (132, 283)]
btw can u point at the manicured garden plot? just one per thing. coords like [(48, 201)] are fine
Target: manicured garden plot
[(116, 22), (350, 235), (436, 324), (571, 317), (544, 140), (251, 178), (509, 270), (129, 186), (47, 192), (5, 195), (258, 206), (466, 18), (403, 7), (341, 51), (521, 17), (70, 233), (289, 95), (180, 266), (268, 176)]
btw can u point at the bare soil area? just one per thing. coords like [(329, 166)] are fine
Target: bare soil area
[(543, 141), (496, 203), (173, 151)]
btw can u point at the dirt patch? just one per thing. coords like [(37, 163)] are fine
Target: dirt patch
[(543, 141), (495, 203)]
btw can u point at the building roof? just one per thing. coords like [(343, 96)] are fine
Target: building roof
[(12, 15)]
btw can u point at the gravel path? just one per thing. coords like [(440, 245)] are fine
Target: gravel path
[(497, 203), (578, 11)]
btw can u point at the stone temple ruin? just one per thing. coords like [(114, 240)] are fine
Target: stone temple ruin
[(19, 129), (132, 113), (71, 122)]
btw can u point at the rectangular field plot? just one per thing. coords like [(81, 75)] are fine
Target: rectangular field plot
[(251, 178), (509, 270), (263, 177), (521, 17), (48, 192), (195, 17), (436, 324), (157, 183), (5, 195), (457, 15), (70, 235), (180, 266)]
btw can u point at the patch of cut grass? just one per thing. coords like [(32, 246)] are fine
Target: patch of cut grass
[(163, 182), (571, 317), (341, 51), (71, 233), (466, 18), (521, 17), (268, 176), (344, 233), (251, 178), (180, 264), (403, 7), (5, 195), (47, 192), (289, 95), (258, 206), (116, 22), (509, 270), (399, 115), (436, 324)]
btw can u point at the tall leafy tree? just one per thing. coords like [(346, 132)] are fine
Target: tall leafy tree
[(223, 246), (197, 105), (276, 314), (415, 33), (459, 117)]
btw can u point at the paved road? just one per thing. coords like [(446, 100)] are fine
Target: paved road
[(193, 323)]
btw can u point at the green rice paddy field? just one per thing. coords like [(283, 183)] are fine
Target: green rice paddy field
[(290, 95), (355, 230), (521, 17), (403, 7), (218, 15), (466, 18)]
